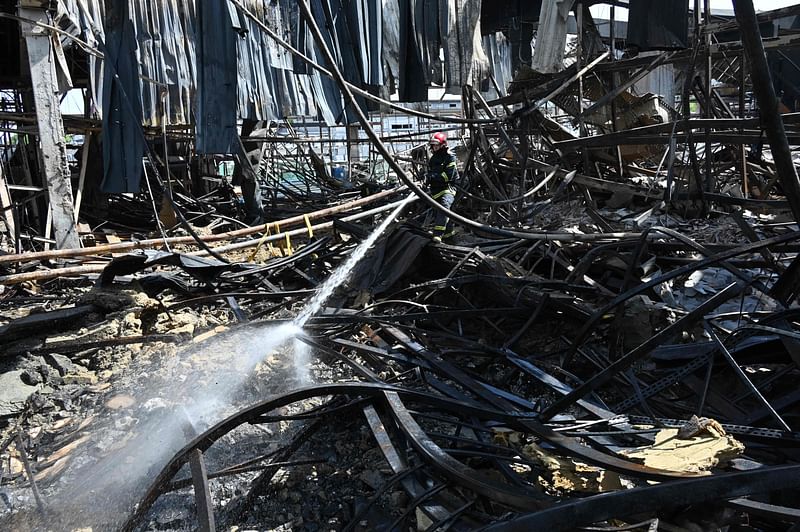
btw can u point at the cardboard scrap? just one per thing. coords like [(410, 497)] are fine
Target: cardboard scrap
[(570, 475), (694, 455)]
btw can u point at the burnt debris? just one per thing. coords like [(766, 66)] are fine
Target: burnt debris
[(609, 341)]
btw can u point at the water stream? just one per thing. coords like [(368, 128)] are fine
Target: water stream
[(341, 273)]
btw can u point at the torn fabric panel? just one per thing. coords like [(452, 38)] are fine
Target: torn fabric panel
[(389, 259), (162, 32), (464, 58), (660, 81), (498, 50), (425, 23), (551, 37), (342, 19), (322, 98), (367, 31), (167, 42), (411, 86), (390, 52), (84, 20), (328, 98), (215, 126), (374, 29), (123, 143), (61, 67), (658, 25), (506, 15)]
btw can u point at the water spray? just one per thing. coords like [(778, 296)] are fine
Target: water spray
[(204, 398)]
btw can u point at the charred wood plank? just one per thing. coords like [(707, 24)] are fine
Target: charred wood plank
[(66, 347), (45, 321)]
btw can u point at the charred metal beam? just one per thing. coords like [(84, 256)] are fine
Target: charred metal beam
[(624, 362), (583, 333), (524, 420), (768, 103), (455, 470), (568, 515), (202, 492), (744, 378), (404, 473)]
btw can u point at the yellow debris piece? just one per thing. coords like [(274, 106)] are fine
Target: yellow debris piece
[(570, 475), (693, 455)]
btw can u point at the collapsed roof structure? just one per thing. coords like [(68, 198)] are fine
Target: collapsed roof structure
[(608, 344)]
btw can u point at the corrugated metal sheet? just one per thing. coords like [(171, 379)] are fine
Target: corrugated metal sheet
[(548, 54), (123, 143), (270, 83), (498, 50), (465, 60), (217, 79), (660, 25)]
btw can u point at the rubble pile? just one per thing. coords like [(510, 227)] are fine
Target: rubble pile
[(476, 383)]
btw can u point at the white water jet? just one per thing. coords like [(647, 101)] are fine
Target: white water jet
[(341, 273), (339, 276), (215, 395), (302, 358), (192, 391)]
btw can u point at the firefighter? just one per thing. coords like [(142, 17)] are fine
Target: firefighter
[(442, 174)]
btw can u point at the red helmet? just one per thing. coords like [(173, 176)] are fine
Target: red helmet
[(438, 139)]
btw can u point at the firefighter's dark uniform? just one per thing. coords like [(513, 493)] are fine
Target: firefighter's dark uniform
[(442, 174)]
